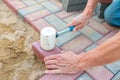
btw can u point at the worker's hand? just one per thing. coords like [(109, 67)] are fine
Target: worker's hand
[(79, 21), (66, 63)]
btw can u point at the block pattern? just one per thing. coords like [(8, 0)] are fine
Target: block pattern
[(43, 13), (97, 73), (84, 76), (114, 67)]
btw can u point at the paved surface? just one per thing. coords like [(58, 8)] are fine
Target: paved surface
[(42, 13)]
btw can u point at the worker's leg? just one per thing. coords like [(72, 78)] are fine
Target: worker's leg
[(112, 13)]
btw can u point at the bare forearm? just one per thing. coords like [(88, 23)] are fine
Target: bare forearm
[(106, 53), (91, 4)]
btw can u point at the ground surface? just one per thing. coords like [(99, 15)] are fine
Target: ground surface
[(17, 61)]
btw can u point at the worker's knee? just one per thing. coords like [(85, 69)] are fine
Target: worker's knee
[(112, 14)]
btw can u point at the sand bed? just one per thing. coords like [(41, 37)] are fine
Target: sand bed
[(17, 61)]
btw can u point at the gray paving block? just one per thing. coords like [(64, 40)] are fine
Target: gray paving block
[(114, 67), (85, 76), (73, 2), (117, 76), (74, 7)]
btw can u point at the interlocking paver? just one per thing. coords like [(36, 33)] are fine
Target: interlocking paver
[(37, 15), (100, 73), (98, 27), (117, 76), (91, 47), (63, 14), (90, 33), (50, 6), (114, 67), (15, 5), (62, 39), (109, 35), (39, 24), (60, 77), (29, 2), (40, 1), (57, 3), (78, 44), (100, 20), (69, 19), (56, 22), (41, 54), (25, 11), (84, 77)]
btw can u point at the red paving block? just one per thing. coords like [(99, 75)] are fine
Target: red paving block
[(61, 77), (41, 54), (36, 15), (63, 14), (39, 24), (77, 45), (109, 35), (98, 27), (108, 26), (100, 73), (15, 4)]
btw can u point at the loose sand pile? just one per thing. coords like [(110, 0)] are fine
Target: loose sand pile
[(17, 61)]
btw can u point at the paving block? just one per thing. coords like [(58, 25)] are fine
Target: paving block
[(73, 2), (74, 7), (70, 18), (62, 39), (64, 14), (39, 24), (84, 76), (109, 26), (15, 5), (36, 15), (91, 47), (41, 54), (60, 77), (99, 20), (114, 67), (117, 76), (90, 33), (77, 45), (99, 27), (40, 1), (56, 22), (100, 73), (29, 2), (57, 3), (28, 10), (109, 35), (50, 6)]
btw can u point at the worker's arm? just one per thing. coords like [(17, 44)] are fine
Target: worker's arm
[(81, 20), (106, 53)]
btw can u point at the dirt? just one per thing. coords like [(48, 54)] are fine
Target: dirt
[(17, 60)]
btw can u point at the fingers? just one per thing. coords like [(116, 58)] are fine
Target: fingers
[(53, 71), (52, 57), (52, 67), (78, 27), (48, 62), (73, 23)]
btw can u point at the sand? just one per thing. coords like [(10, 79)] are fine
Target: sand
[(17, 60)]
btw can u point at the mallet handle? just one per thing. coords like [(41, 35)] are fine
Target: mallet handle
[(65, 30)]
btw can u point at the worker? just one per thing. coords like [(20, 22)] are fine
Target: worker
[(69, 62)]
